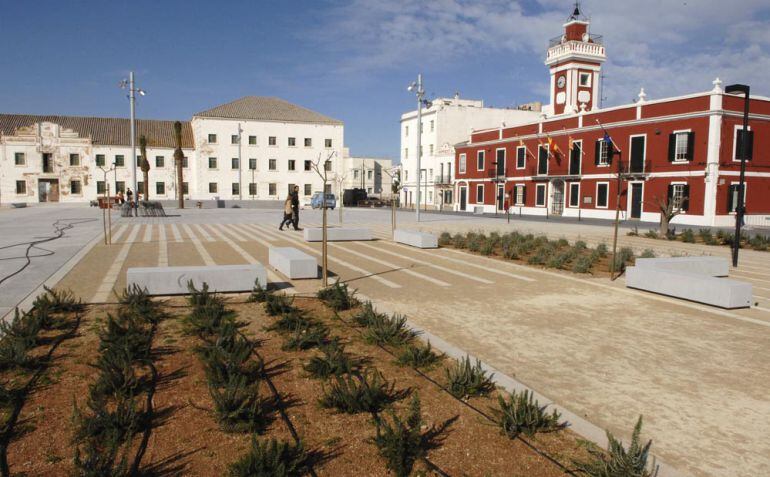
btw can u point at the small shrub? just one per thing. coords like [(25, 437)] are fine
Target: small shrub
[(522, 414), (465, 380), (400, 441), (561, 243), (619, 461), (459, 241), (107, 427), (633, 232), (580, 245), (418, 356), (290, 321), (583, 264), (487, 248), (648, 253), (271, 458), (688, 236), (651, 234), (338, 297), (305, 337), (760, 243), (138, 301), (511, 251), (474, 241), (368, 315), (258, 293), (237, 405), (334, 361), (539, 258), (602, 250), (14, 352), (117, 376), (365, 392), (707, 237), (58, 301), (391, 330), (623, 257), (227, 359), (445, 239), (279, 304)]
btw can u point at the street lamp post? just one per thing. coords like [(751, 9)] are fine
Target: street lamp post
[(739, 209), (132, 90), (417, 88), (107, 216)]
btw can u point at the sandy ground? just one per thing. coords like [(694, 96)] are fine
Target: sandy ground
[(610, 354)]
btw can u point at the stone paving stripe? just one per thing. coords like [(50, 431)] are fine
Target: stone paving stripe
[(103, 292), (750, 278), (175, 231), (207, 260), (428, 264), (204, 233), (254, 230), (147, 233), (391, 265), (218, 230), (232, 230), (331, 258), (253, 236), (766, 310), (120, 231), (162, 246)]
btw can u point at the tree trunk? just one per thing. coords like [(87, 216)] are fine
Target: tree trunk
[(664, 225), (146, 184)]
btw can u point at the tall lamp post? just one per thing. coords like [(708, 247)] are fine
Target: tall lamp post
[(739, 208), (417, 89), (132, 91)]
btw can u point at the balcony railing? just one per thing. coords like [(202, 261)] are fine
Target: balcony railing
[(577, 47), (443, 179), (597, 39)]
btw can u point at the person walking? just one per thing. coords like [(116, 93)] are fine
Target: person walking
[(129, 202), (295, 207), (288, 213)]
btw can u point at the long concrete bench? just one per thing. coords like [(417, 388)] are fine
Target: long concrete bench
[(415, 238), (173, 280), (292, 262), (690, 278), (337, 234)]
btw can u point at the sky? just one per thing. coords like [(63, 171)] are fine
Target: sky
[(352, 59)]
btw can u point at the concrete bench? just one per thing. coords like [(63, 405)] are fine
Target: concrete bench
[(292, 262), (415, 238), (173, 280), (690, 278), (337, 234)]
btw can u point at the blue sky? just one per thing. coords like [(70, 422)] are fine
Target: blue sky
[(352, 59)]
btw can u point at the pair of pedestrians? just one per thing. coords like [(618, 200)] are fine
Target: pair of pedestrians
[(291, 210)]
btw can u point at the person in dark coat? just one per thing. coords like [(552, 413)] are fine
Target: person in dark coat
[(295, 207), (288, 213)]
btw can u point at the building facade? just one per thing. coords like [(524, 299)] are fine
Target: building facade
[(373, 174), (254, 148), (681, 151), (445, 122)]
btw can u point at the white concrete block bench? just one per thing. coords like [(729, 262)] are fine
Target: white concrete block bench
[(687, 279), (220, 278), (292, 262), (337, 234), (415, 238)]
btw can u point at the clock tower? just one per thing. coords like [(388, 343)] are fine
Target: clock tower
[(575, 60)]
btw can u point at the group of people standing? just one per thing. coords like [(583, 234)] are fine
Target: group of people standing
[(129, 198), (291, 210)]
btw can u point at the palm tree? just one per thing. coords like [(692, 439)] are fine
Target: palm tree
[(178, 160), (145, 166)]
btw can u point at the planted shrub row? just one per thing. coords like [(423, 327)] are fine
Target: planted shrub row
[(707, 237)]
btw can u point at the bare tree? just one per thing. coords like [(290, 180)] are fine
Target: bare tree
[(395, 193), (145, 166), (667, 212), (339, 179), (179, 162), (322, 169)]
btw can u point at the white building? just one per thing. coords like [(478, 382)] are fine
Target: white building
[(445, 123), (373, 174), (252, 148)]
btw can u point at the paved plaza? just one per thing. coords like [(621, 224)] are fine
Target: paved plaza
[(607, 353)]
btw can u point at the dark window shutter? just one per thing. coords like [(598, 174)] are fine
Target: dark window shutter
[(686, 198), (750, 148), (598, 152), (739, 145), (670, 195), (690, 146), (574, 163), (610, 151), (524, 194), (671, 147)]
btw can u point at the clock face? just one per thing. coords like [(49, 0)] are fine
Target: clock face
[(560, 82)]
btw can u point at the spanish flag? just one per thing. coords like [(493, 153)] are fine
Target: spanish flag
[(569, 142)]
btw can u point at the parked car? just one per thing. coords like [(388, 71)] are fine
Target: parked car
[(306, 201), (317, 201)]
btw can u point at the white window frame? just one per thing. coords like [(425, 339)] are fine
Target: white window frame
[(644, 152), (630, 196), (678, 134), (569, 195), (479, 187), (736, 128), (463, 163), (545, 192), (16, 187), (23, 159), (673, 195), (583, 74), (735, 203), (523, 166), (481, 155), (607, 198), (580, 157), (519, 188), (604, 152)]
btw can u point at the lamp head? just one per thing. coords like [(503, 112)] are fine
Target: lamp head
[(412, 87), (737, 88), (141, 92)]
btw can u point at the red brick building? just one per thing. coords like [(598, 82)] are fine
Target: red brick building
[(683, 149)]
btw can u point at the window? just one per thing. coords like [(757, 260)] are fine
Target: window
[(213, 138), (308, 189), (292, 141), (355, 173), (272, 188), (574, 194), (100, 160), (292, 165), (252, 140), (540, 195), (19, 160), (585, 79), (480, 160), (500, 162), (519, 197), (680, 151), (120, 160), (732, 197), (184, 163), (430, 148), (235, 163), (542, 159), (234, 139), (308, 142), (636, 160), (678, 195), (253, 164), (461, 167), (602, 153), (272, 164), (271, 141), (420, 150), (432, 125), (308, 166), (369, 175), (252, 188), (185, 188), (328, 166), (212, 162), (479, 193), (21, 187), (327, 143), (160, 188), (406, 152), (328, 189), (521, 157), (140, 186), (406, 130), (575, 156), (212, 187), (120, 186), (101, 187), (681, 146), (160, 161), (236, 188), (738, 146), (76, 187), (75, 160), (602, 192)]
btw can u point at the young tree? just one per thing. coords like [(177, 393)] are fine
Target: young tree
[(395, 193), (178, 161), (668, 210), (322, 169), (145, 166), (339, 179)]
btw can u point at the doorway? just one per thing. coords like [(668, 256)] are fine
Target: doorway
[(463, 197), (557, 197), (500, 197), (637, 189), (48, 190), (47, 163)]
